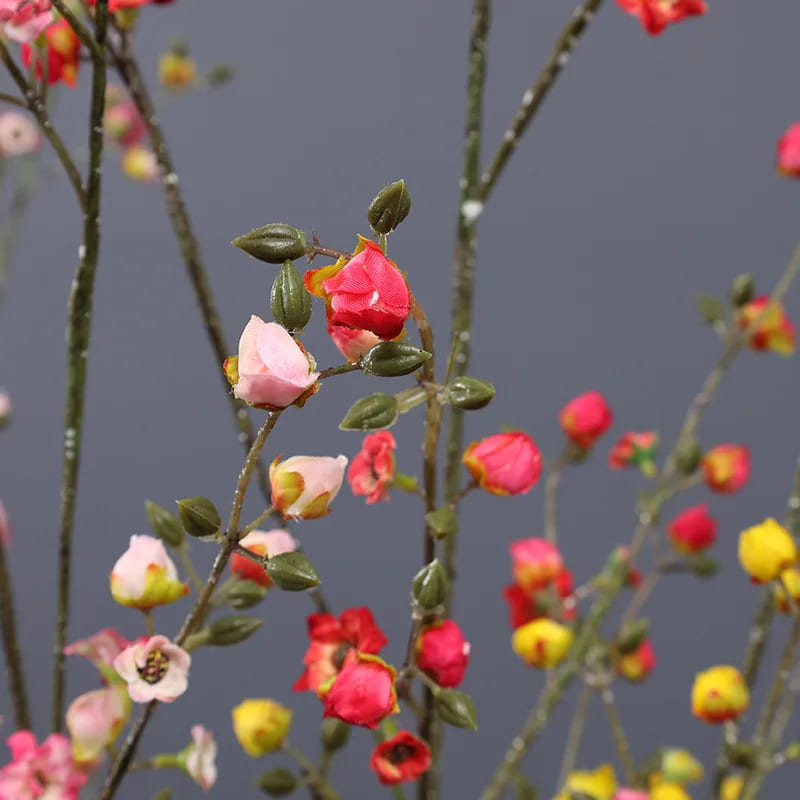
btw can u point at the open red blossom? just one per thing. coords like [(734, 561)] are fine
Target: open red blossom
[(586, 418), (655, 15), (789, 151), (443, 653), (528, 605), (336, 643), (61, 54), (372, 469), (693, 530), (363, 693), (404, 757)]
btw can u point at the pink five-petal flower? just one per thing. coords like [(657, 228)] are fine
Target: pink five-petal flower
[(200, 757), (154, 669), (372, 470), (24, 20), (273, 369)]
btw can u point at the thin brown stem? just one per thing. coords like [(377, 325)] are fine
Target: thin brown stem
[(14, 101), (11, 649), (618, 733), (551, 496), (322, 789), (575, 734)]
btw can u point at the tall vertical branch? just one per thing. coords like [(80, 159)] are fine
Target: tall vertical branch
[(78, 332), (8, 628)]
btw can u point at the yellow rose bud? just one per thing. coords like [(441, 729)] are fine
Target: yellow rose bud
[(542, 643), (261, 725), (599, 784), (176, 71), (669, 791), (731, 787), (766, 550), (140, 163), (787, 591), (719, 694), (680, 766)]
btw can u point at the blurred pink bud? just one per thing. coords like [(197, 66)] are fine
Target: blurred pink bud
[(95, 720), (534, 562), (372, 470), (154, 669), (6, 536), (630, 794), (18, 135), (200, 757), (140, 164), (44, 771), (352, 343), (5, 409), (303, 487), (121, 119), (24, 20), (101, 648)]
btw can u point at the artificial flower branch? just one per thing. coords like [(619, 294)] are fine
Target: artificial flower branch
[(78, 333), (14, 101)]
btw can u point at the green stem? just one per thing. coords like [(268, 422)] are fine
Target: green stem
[(78, 333), (11, 649), (34, 104), (536, 94), (14, 101), (620, 739), (198, 613), (149, 625), (575, 734), (188, 565), (12, 224), (322, 789), (551, 496)]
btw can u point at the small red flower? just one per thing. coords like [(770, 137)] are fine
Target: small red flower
[(443, 653), (693, 530), (655, 15), (504, 464), (726, 468), (526, 606), (789, 151), (404, 757), (774, 330), (62, 54), (363, 693), (635, 449), (372, 469), (534, 562), (335, 643), (636, 666), (586, 418)]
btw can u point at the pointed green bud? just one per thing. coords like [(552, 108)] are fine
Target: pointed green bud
[(632, 635), (469, 393), (389, 208), (703, 566), (199, 517), (220, 75), (429, 587), (743, 290), (371, 413), (232, 630), (393, 359), (164, 524), (292, 572), (334, 734), (710, 309), (278, 782), (456, 708), (289, 300), (163, 794), (688, 455), (443, 521), (273, 243), (244, 594)]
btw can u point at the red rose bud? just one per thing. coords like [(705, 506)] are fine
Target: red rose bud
[(635, 449), (693, 530), (443, 653), (334, 643), (655, 15), (367, 291), (371, 471), (586, 418), (404, 757), (362, 693), (524, 606), (636, 666), (789, 152), (726, 468), (534, 562), (504, 464), (774, 330), (352, 343)]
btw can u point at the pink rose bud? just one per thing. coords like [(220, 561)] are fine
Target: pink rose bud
[(273, 369), (18, 135), (145, 576), (534, 562), (95, 720), (121, 119), (352, 343), (443, 653), (372, 470), (789, 152), (303, 487), (586, 418), (154, 669), (6, 536), (504, 464), (367, 291), (200, 758), (266, 544), (655, 15), (636, 666), (693, 530)]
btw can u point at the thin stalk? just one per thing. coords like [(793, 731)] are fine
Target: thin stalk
[(534, 97), (322, 789), (11, 649), (12, 224), (199, 611), (78, 333), (551, 496), (188, 565), (575, 734), (620, 739), (34, 104), (15, 101)]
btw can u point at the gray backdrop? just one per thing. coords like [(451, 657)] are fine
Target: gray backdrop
[(647, 179)]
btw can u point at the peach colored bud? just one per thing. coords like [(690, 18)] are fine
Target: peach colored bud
[(586, 418), (599, 784), (504, 464), (352, 343), (534, 563), (726, 468), (176, 71), (542, 643), (766, 550), (145, 576), (774, 330), (262, 543), (121, 119), (95, 720), (273, 370), (719, 694), (154, 669), (303, 487), (261, 725), (18, 135), (6, 409), (140, 164)]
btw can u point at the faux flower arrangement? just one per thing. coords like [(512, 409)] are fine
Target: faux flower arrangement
[(379, 326)]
